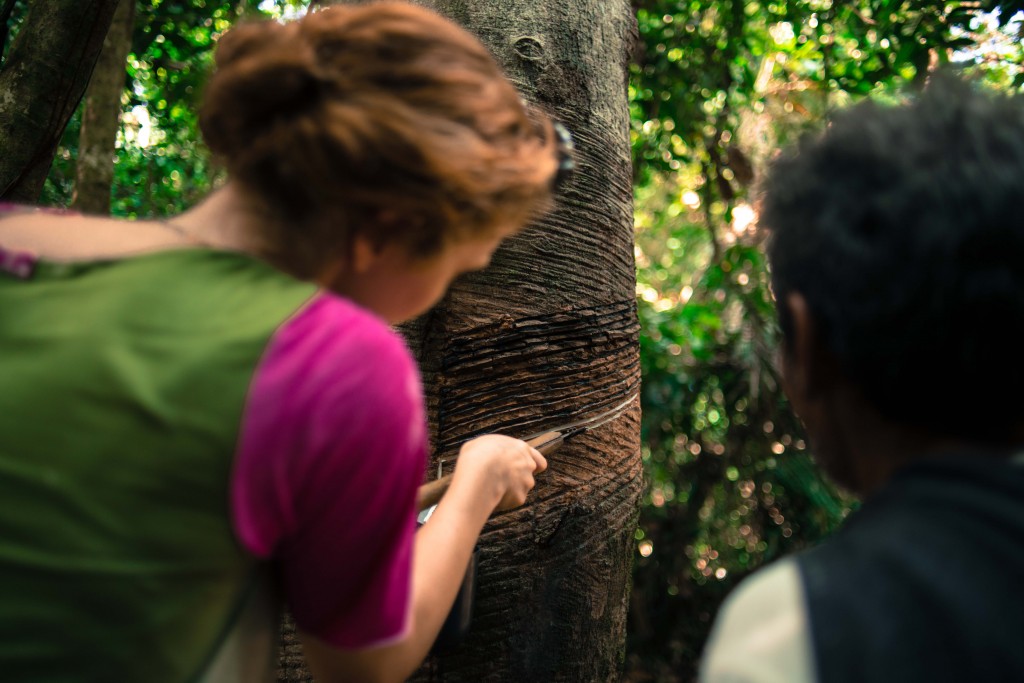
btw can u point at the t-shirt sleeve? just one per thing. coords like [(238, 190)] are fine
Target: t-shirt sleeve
[(332, 449), (761, 634)]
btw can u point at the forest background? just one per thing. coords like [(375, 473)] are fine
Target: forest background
[(715, 88)]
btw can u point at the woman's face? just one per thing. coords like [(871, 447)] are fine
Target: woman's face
[(398, 285)]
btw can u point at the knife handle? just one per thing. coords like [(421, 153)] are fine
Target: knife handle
[(432, 492)]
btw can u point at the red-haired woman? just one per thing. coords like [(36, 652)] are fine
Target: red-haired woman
[(202, 415)]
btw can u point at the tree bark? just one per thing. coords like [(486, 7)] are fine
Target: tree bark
[(548, 334), (41, 84), (101, 116)]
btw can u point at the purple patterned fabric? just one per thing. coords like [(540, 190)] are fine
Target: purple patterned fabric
[(332, 451), (20, 264)]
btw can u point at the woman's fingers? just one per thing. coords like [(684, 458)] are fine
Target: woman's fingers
[(503, 465), (539, 459)]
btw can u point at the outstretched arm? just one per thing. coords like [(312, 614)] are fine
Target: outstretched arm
[(493, 473)]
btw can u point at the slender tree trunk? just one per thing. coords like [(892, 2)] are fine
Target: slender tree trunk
[(101, 116), (548, 334), (41, 84)]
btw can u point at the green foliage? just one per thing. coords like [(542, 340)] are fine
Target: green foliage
[(161, 165), (730, 481), (717, 87)]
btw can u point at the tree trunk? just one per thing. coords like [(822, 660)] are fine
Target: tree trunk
[(41, 84), (101, 116), (548, 334)]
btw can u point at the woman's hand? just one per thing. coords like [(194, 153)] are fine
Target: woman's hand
[(499, 469), (493, 472)]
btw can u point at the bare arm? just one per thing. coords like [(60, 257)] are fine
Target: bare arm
[(493, 473)]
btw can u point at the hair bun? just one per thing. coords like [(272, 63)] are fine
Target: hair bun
[(382, 119), (265, 74)]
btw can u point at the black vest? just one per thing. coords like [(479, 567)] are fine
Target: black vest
[(926, 581)]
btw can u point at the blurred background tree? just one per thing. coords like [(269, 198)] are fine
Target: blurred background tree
[(715, 88)]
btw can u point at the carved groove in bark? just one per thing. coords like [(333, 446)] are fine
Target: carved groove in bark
[(550, 575), (495, 378)]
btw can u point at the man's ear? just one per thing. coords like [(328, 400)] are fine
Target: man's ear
[(809, 364), (803, 361)]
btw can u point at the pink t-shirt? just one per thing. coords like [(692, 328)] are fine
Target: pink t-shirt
[(333, 448)]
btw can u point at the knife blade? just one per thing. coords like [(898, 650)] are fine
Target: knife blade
[(546, 442)]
